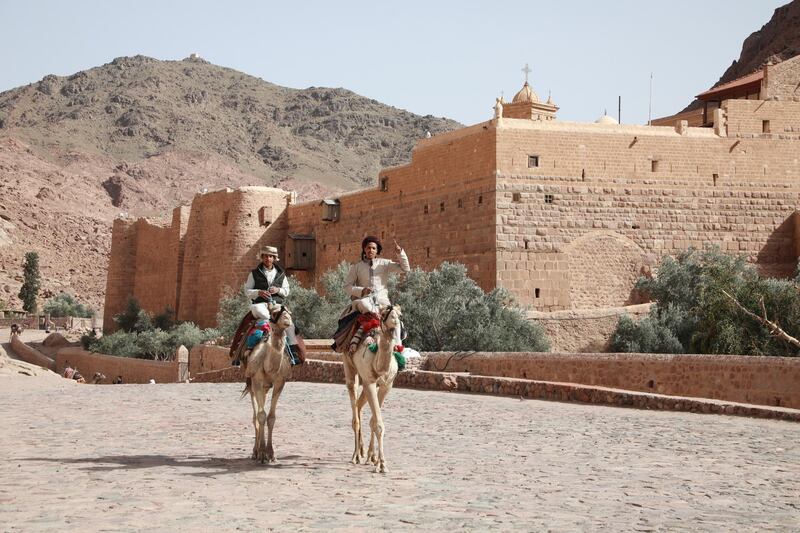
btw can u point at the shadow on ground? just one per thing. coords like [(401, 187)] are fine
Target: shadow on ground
[(214, 465)]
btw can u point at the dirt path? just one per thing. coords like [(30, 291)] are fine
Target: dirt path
[(175, 457)]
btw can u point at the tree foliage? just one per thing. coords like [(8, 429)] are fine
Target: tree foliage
[(445, 310), (31, 282), (65, 304), (692, 314), (146, 337), (232, 308), (154, 343), (317, 314)]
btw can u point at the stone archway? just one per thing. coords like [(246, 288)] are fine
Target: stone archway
[(603, 268)]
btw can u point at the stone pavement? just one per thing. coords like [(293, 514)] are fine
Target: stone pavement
[(175, 457)]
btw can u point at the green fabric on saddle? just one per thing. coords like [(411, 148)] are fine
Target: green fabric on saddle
[(400, 358)]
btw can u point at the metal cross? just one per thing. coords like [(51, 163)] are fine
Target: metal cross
[(527, 70)]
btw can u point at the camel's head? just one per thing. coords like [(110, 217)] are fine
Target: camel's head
[(390, 316), (98, 377), (280, 316)]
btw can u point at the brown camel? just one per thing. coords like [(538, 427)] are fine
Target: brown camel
[(376, 371), (268, 367)]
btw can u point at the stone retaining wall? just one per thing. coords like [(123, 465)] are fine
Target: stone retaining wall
[(326, 367), (585, 331), (31, 355), (760, 380), (132, 370)]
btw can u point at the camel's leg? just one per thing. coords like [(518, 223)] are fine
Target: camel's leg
[(261, 399), (351, 380), (376, 423), (255, 420), (383, 391), (276, 393), (371, 456)]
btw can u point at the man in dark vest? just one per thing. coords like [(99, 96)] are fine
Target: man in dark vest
[(266, 284)]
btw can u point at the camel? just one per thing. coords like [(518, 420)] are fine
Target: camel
[(376, 371), (268, 367)]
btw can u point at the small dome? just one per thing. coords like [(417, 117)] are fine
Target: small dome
[(605, 119), (525, 94)]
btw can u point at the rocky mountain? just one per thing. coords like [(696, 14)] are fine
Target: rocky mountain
[(140, 136), (777, 40)]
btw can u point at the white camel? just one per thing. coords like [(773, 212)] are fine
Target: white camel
[(376, 371), (268, 367)]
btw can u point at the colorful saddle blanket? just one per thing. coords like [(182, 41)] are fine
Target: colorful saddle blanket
[(257, 333)]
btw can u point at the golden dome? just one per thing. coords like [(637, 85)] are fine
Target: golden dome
[(525, 94)]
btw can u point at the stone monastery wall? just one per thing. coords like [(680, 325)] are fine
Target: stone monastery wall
[(441, 207), (564, 215), (605, 202)]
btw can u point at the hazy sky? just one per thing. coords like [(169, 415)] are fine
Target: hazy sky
[(445, 58)]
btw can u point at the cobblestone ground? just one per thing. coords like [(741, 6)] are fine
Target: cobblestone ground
[(175, 457)]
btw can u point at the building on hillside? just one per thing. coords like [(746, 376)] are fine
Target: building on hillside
[(565, 215)]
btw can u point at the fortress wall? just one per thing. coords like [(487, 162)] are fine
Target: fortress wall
[(121, 271), (797, 233), (595, 214), (223, 236), (746, 117), (155, 279), (451, 176)]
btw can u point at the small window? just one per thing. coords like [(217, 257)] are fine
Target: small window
[(715, 177), (265, 216), (517, 196), (533, 161), (425, 209), (441, 206), (480, 199), (331, 210), (526, 241), (765, 126), (460, 203), (225, 218), (384, 184), (536, 293), (654, 165), (548, 198), (428, 252)]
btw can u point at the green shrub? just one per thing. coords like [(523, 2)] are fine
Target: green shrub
[(692, 309), (133, 318), (65, 304), (317, 315), (155, 344), (232, 308), (445, 310)]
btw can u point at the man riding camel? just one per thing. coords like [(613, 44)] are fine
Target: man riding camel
[(366, 283), (266, 284)]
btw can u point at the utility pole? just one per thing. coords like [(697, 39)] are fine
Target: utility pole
[(650, 105)]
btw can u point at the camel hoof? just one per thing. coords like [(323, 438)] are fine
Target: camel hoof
[(381, 468)]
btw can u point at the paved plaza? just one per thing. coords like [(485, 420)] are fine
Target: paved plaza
[(176, 457)]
